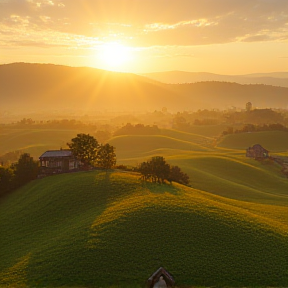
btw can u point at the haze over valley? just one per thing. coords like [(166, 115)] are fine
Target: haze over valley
[(143, 143)]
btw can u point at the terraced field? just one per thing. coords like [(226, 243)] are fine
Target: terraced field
[(109, 229)]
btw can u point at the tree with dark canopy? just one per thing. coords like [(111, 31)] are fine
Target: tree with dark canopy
[(6, 180), (177, 175), (26, 169), (106, 157), (84, 147), (158, 170)]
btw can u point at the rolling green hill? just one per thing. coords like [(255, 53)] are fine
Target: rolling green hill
[(102, 229), (235, 177), (139, 146), (34, 141), (274, 141)]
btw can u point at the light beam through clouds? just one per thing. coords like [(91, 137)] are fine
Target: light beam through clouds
[(52, 31)]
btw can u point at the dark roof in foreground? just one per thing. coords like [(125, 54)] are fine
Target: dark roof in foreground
[(166, 276), (56, 153)]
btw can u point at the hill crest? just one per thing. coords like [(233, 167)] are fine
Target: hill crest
[(45, 87), (104, 229)]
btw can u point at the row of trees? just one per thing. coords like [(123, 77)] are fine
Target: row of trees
[(87, 149), (255, 128), (185, 120), (18, 174), (158, 170), (138, 129)]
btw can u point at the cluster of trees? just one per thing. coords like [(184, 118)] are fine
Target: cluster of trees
[(10, 157), (138, 129), (18, 174), (255, 128), (158, 170), (87, 149), (185, 120), (98, 129)]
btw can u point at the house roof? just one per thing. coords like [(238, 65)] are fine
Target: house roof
[(258, 146), (56, 153), (156, 275)]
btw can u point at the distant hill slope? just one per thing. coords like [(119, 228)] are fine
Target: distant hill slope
[(274, 141), (176, 77), (44, 87), (47, 86), (108, 229)]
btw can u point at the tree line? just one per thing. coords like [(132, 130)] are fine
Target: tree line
[(18, 174), (158, 170), (255, 128), (138, 129)]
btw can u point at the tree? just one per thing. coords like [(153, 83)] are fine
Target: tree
[(84, 147), (26, 169), (178, 176), (6, 180), (106, 157), (145, 170), (158, 171)]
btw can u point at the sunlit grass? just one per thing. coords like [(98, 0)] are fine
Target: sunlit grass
[(110, 229)]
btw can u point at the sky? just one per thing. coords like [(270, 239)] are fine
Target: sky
[(229, 37)]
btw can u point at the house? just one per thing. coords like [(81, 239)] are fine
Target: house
[(58, 161), (161, 275), (257, 152)]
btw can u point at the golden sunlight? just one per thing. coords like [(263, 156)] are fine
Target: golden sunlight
[(114, 55)]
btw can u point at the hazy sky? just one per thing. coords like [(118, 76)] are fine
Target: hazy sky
[(219, 36)]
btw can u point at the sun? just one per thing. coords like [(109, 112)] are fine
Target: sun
[(114, 55)]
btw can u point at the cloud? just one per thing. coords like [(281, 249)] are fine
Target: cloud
[(150, 22)]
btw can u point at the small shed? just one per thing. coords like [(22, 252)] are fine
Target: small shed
[(58, 161), (257, 152), (166, 276)]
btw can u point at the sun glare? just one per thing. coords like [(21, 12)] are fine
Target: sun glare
[(114, 55)]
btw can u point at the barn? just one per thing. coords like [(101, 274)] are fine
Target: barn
[(58, 161), (257, 152)]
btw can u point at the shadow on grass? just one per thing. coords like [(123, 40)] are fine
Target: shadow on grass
[(157, 188)]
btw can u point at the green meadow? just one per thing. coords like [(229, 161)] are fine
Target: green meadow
[(102, 229), (110, 229), (34, 141), (274, 141)]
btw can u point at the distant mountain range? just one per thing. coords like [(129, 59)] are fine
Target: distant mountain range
[(176, 77), (46, 87)]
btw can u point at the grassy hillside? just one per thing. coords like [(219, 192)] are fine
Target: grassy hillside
[(139, 146), (34, 141), (102, 229), (218, 170), (235, 177), (274, 141)]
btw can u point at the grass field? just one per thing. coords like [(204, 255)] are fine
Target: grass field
[(34, 141), (102, 229), (274, 141), (97, 229)]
